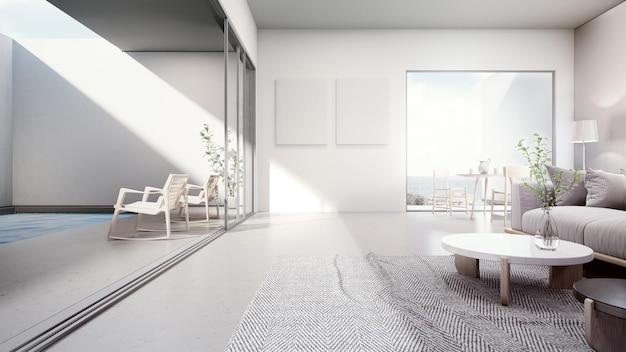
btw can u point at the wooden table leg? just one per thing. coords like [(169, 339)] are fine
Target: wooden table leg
[(563, 277), (467, 266), (603, 332), (505, 281), (485, 196), (474, 196), (589, 308)]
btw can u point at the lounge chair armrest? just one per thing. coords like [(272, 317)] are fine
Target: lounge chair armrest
[(146, 193), (190, 186), (149, 190), (130, 190), (194, 190)]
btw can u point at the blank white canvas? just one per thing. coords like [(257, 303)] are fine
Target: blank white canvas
[(301, 111), (362, 111)]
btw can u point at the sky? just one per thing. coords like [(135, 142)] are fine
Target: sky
[(28, 19)]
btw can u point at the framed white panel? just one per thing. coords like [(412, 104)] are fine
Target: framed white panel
[(362, 111), (301, 111)]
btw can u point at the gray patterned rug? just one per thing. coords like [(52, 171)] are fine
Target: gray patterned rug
[(374, 303)]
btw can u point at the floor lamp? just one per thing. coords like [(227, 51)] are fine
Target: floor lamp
[(584, 131)]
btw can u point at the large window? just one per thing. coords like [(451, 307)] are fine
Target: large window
[(456, 118)]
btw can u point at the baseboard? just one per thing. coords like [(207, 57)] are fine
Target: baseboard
[(62, 209), (7, 210)]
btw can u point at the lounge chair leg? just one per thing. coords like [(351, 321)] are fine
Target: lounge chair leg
[(187, 217), (138, 221), (167, 223), (113, 222)]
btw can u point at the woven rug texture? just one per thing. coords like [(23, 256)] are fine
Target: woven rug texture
[(405, 303)]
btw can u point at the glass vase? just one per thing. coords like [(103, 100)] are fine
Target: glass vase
[(546, 237)]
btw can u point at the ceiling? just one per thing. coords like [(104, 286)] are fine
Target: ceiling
[(149, 25), (189, 25), (426, 14)]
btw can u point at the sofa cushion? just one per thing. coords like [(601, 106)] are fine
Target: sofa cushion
[(607, 235), (605, 189), (601, 229), (570, 221), (576, 195)]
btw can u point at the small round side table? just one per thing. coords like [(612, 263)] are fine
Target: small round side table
[(605, 312)]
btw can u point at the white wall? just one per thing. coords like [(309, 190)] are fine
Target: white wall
[(601, 87), (6, 149), (372, 178), (89, 119)]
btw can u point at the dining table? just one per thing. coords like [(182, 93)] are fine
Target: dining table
[(480, 177)]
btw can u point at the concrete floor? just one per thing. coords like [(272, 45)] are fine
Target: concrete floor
[(196, 305)]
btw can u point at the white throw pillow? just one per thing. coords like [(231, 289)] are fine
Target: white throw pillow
[(605, 189)]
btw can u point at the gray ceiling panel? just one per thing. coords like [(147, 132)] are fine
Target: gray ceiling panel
[(149, 25), (190, 25), (426, 14)]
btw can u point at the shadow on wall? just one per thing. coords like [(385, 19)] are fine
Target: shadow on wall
[(95, 126), (617, 129), (197, 75), (87, 155)]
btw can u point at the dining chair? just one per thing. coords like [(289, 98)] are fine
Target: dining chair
[(512, 173), (444, 196)]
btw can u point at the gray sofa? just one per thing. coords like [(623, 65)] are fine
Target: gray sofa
[(601, 228)]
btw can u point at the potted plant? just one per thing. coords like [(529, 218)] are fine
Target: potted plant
[(547, 189), (235, 175), (216, 155)]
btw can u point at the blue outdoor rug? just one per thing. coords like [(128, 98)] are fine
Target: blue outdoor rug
[(21, 226)]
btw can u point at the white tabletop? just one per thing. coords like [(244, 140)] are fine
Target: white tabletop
[(519, 249), (480, 175)]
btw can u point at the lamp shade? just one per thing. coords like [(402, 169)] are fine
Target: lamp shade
[(585, 131)]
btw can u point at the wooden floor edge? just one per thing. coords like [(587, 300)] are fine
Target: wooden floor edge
[(514, 232), (609, 259)]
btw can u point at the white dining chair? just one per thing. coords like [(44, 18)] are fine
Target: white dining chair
[(512, 173), (444, 196)]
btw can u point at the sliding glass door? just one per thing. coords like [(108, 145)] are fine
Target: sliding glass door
[(248, 140), (239, 130)]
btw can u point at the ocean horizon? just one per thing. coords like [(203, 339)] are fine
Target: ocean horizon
[(423, 186)]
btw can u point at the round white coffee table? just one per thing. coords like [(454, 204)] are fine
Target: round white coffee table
[(565, 262)]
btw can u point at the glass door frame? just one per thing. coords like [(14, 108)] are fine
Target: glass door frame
[(239, 80)]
